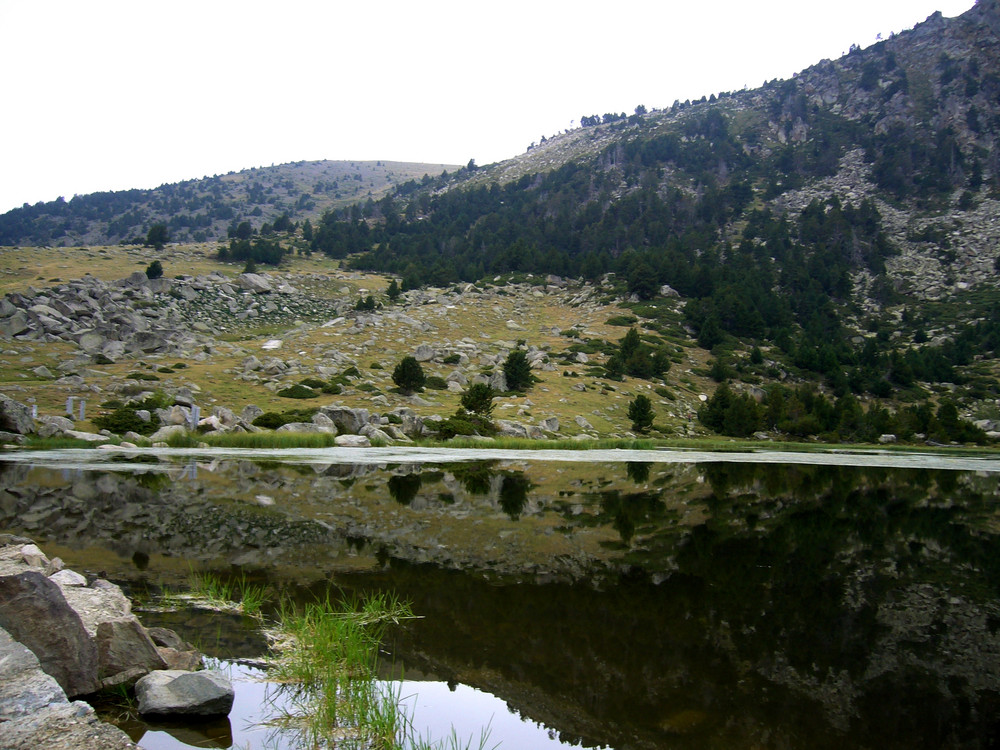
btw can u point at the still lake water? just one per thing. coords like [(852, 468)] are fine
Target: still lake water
[(618, 599)]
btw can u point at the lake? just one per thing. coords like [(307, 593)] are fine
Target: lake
[(613, 599)]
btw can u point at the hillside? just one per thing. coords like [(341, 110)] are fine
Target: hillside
[(203, 210), (814, 259)]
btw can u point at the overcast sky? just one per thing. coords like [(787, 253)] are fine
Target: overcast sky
[(115, 95)]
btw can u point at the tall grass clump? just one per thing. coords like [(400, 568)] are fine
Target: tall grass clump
[(328, 654)]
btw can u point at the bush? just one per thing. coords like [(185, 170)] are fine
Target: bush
[(314, 383), (122, 420), (154, 270), (452, 359), (297, 391), (271, 420), (435, 382)]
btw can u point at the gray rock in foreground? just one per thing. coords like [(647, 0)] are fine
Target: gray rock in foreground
[(24, 687), (172, 692), (62, 645), (65, 726)]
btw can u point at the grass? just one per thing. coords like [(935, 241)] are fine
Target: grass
[(210, 591), (328, 653)]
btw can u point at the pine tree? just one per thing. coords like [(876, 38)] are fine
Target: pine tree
[(518, 371), (640, 411), (408, 375)]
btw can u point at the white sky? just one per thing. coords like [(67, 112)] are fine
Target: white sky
[(100, 95)]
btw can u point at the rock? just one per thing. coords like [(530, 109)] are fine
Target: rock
[(250, 413), (63, 726), (68, 578), (90, 437), (24, 687), (254, 283), (63, 647), (498, 381), (551, 424), (511, 429), (308, 427), (346, 419), (15, 417), (423, 353), (583, 423), (163, 434), (887, 438), (187, 661), (172, 691), (122, 645), (15, 325), (352, 441)]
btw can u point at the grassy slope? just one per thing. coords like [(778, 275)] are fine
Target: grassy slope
[(482, 319)]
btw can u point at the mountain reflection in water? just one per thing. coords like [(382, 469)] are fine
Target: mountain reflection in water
[(628, 604)]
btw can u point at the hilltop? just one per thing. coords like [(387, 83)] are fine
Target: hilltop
[(205, 209)]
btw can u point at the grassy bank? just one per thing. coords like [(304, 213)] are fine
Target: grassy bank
[(294, 440)]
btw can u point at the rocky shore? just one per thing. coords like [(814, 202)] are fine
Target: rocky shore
[(64, 639)]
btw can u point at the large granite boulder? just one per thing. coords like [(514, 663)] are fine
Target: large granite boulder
[(63, 726), (171, 691), (63, 646), (15, 417), (124, 646), (24, 687)]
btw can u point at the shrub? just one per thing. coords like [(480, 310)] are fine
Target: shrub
[(122, 420), (435, 382), (154, 270), (271, 420), (452, 359), (297, 391), (314, 383)]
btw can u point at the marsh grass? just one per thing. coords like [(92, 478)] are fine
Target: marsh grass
[(213, 592), (327, 654)]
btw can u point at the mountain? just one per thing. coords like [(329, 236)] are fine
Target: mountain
[(824, 248), (203, 210)]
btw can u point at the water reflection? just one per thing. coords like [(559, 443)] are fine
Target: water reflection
[(639, 605)]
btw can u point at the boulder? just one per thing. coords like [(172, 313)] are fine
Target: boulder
[(253, 282), (63, 647), (498, 381), (172, 691), (346, 419), (15, 325), (123, 645), (15, 417), (89, 437), (352, 441), (63, 726), (163, 434), (24, 687), (551, 424), (423, 353)]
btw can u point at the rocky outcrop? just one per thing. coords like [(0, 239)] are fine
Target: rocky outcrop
[(60, 636)]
